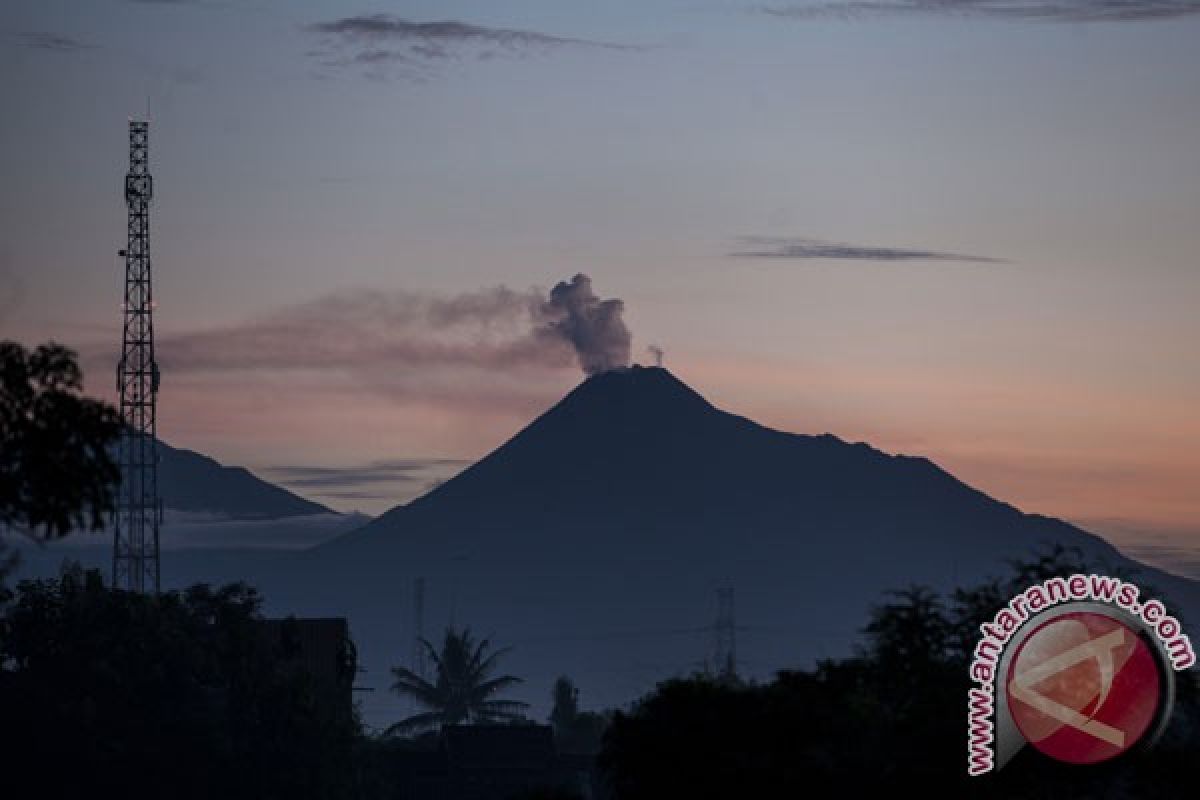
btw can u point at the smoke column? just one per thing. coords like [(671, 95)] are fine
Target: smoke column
[(594, 327)]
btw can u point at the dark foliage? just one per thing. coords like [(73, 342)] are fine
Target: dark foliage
[(56, 473), (182, 695), (891, 719)]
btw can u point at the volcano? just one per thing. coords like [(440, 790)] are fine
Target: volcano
[(594, 542)]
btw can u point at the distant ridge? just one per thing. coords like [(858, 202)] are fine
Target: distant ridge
[(189, 481)]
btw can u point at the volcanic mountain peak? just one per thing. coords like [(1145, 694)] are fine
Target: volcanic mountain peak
[(647, 391), (636, 444)]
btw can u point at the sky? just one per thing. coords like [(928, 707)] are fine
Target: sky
[(965, 230)]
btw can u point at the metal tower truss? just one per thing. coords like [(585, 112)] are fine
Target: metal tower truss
[(139, 509)]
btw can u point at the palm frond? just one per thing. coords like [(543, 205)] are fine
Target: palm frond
[(413, 685), (417, 722), (488, 664), (489, 688)]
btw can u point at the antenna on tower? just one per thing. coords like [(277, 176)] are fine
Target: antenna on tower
[(725, 660), (139, 508)]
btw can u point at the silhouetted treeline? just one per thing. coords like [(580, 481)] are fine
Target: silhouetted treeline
[(108, 693), (890, 719), (105, 692)]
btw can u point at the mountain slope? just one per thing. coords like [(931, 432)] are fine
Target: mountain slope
[(189, 481), (638, 449), (595, 539)]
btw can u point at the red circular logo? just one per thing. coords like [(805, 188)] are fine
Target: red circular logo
[(1083, 687)]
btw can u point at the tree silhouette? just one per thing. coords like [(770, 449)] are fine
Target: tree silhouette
[(909, 630), (463, 689), (56, 472), (575, 731), (566, 704), (186, 690)]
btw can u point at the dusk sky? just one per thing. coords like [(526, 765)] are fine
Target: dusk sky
[(971, 235)]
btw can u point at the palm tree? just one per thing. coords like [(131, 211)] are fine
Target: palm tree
[(463, 689)]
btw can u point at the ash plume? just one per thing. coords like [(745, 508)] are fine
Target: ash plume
[(374, 333), (594, 327)]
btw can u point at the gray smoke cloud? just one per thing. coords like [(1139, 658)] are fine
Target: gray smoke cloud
[(372, 332), (594, 327)]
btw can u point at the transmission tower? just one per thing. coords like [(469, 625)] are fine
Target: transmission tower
[(139, 509), (725, 660), (418, 647)]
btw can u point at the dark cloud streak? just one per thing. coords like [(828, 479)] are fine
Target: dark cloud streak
[(781, 248), (375, 40), (386, 27), (345, 478), (54, 42), (1025, 10)]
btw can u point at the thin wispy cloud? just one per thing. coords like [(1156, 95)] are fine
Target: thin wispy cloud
[(798, 248), (353, 494), (378, 40), (1026, 10), (392, 481), (55, 42), (336, 480)]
